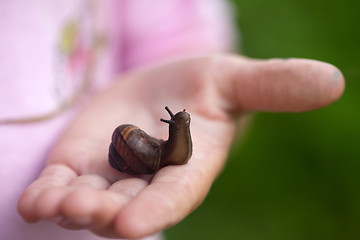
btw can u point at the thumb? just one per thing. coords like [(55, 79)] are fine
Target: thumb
[(279, 85)]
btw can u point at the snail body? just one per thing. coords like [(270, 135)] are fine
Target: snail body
[(135, 152)]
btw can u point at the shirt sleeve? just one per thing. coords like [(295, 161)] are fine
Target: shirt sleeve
[(154, 31)]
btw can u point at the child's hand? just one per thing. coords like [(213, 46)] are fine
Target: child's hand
[(79, 190)]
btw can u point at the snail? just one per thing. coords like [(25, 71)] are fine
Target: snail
[(135, 152)]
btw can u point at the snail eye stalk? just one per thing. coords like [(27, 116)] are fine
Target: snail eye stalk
[(169, 111)]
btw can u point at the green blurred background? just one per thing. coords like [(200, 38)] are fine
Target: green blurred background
[(293, 176)]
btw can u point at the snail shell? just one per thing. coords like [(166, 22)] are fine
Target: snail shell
[(135, 152)]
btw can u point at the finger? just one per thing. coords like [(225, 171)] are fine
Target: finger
[(86, 208), (286, 85), (53, 176), (48, 203), (91, 202), (85, 205), (174, 193)]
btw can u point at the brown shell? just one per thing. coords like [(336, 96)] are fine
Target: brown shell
[(133, 151)]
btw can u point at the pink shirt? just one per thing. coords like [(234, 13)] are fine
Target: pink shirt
[(51, 50)]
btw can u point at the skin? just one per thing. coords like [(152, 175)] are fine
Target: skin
[(79, 190)]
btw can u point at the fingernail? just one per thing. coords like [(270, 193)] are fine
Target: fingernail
[(82, 221), (57, 219), (75, 223), (337, 77)]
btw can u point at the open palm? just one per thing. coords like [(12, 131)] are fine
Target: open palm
[(79, 190)]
